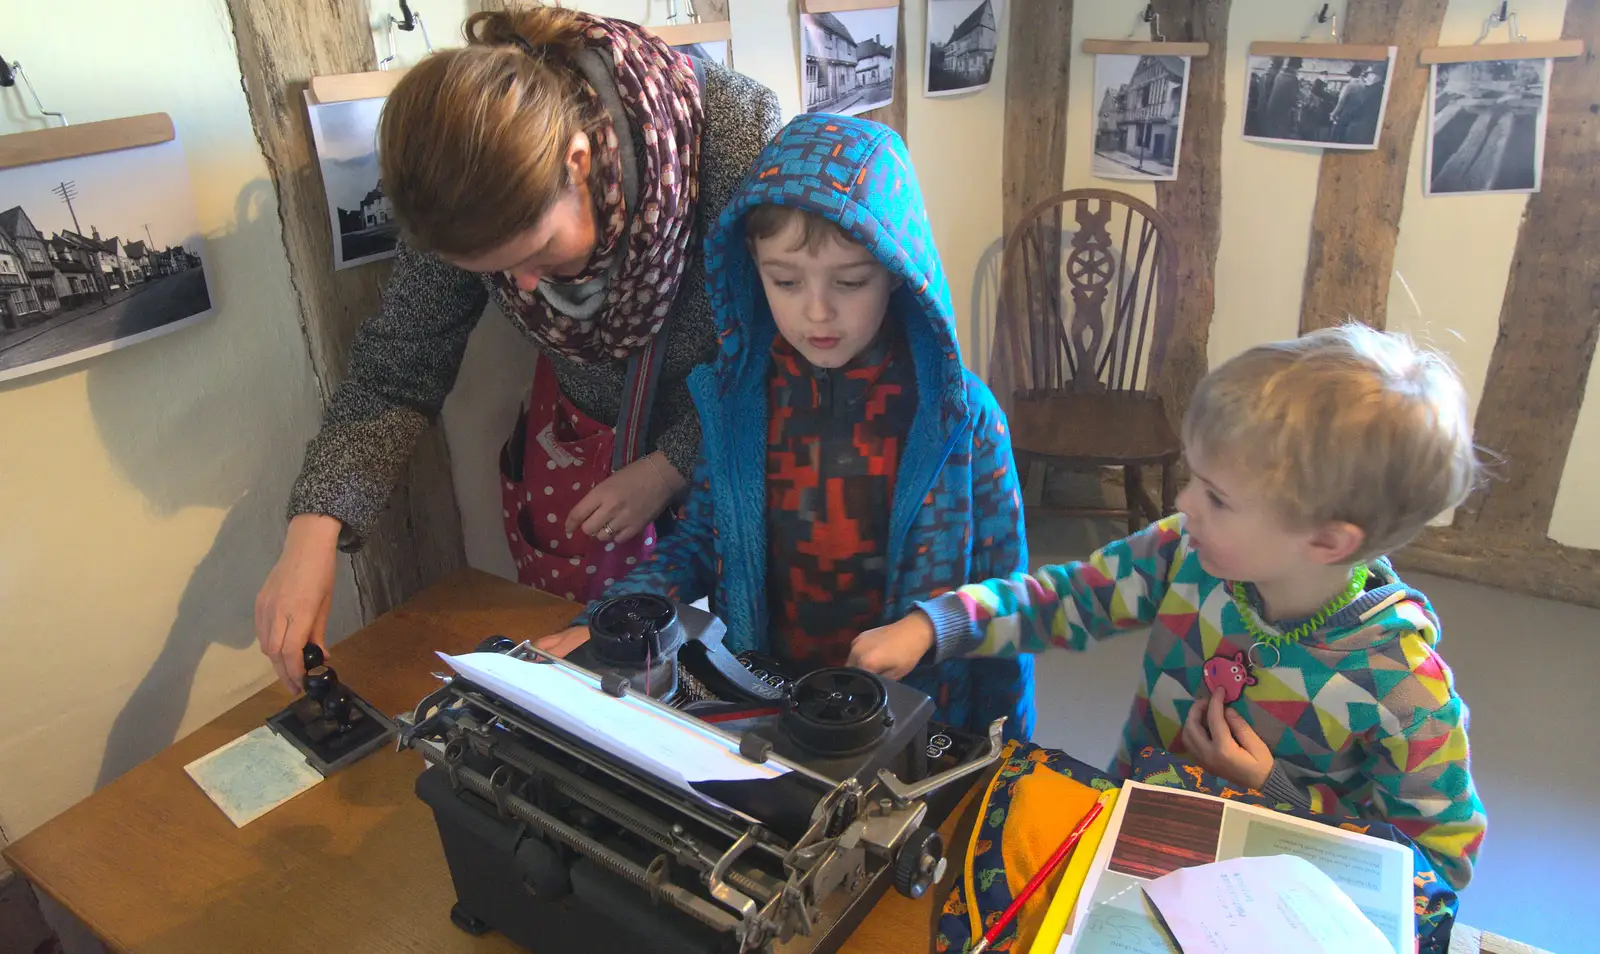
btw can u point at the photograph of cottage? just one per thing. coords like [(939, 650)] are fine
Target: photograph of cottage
[(96, 253), (346, 139), (712, 51), (1486, 127), (1139, 115), (848, 59), (962, 36)]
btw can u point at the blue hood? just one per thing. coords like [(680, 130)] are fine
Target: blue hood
[(956, 515), (857, 174)]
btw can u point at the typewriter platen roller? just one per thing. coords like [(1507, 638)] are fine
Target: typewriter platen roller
[(562, 847)]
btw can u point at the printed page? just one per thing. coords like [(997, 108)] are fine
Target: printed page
[(1375, 874), (1119, 921), (1261, 905), (1155, 831)]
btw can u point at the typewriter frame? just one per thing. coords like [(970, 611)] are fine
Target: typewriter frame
[(761, 891)]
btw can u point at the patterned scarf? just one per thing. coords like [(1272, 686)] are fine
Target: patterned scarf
[(662, 101)]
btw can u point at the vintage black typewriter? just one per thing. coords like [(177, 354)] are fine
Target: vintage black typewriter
[(562, 846)]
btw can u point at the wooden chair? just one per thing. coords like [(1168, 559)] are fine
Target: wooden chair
[(1087, 292)]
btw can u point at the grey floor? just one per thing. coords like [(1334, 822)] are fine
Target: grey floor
[(1528, 669)]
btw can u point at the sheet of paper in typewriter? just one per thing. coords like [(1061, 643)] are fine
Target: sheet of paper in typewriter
[(675, 749)]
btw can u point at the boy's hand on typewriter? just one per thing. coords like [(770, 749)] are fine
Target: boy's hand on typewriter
[(564, 642), (1223, 743), (894, 650)]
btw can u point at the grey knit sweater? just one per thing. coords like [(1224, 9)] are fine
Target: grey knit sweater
[(405, 358)]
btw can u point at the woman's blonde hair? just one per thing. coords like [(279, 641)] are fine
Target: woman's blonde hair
[(1345, 424), (473, 141)]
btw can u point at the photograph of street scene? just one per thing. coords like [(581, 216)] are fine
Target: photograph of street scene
[(346, 138), (849, 59), (1139, 118), (96, 253)]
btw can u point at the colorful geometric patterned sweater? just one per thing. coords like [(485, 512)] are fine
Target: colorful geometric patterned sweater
[(834, 437), (956, 513), (1361, 715)]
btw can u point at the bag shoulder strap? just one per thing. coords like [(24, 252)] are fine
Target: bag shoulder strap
[(699, 74), (644, 368)]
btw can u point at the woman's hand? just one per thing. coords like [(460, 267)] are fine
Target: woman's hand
[(292, 607), (624, 503), (1223, 743)]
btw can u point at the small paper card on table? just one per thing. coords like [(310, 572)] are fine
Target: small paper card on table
[(1261, 905), (253, 774)]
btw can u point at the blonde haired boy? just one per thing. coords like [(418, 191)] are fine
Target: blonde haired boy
[(1285, 654)]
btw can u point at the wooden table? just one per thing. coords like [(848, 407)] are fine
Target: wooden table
[(150, 865)]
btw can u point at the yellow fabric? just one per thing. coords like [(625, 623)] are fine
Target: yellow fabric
[(1065, 897), (1045, 807)]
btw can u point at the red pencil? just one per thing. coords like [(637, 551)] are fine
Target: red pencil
[(1040, 878)]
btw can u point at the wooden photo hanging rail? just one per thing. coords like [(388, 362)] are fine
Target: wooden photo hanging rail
[(683, 34), (85, 139), (1322, 51), (1482, 52), (845, 6), (347, 87), (1147, 47)]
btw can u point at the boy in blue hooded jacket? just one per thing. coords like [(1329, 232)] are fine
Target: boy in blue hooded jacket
[(851, 467)]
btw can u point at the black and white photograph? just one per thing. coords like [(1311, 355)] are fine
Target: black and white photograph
[(1306, 101), (346, 139), (96, 253), (712, 51), (1486, 127), (848, 59), (1139, 111), (962, 38)]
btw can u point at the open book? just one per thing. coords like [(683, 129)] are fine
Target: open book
[(1156, 830)]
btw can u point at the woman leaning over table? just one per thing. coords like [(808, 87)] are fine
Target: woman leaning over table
[(564, 165)]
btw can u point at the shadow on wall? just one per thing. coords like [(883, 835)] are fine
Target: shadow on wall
[(230, 443)]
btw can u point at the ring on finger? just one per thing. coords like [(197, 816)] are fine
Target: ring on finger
[(607, 531)]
